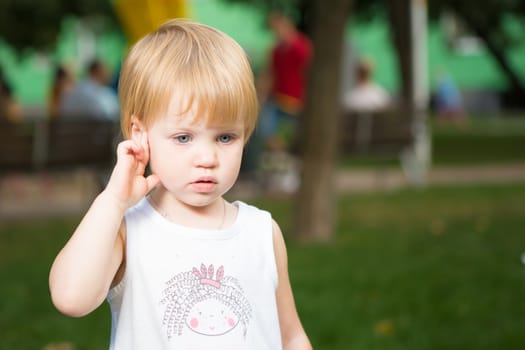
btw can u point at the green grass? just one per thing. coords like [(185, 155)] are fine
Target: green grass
[(483, 140), (434, 269), (429, 269), (27, 318)]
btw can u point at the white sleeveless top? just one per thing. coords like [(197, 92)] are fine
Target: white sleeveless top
[(187, 288)]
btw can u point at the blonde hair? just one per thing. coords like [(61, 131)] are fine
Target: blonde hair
[(208, 66)]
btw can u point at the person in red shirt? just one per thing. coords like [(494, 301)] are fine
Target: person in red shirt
[(283, 85)]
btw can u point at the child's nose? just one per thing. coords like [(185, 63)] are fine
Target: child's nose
[(206, 156)]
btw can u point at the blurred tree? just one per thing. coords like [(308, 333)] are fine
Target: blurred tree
[(487, 19), (325, 22), (36, 24), (315, 215)]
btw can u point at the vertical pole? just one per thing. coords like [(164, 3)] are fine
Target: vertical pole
[(417, 160)]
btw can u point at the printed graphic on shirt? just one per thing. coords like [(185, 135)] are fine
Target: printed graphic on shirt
[(205, 302)]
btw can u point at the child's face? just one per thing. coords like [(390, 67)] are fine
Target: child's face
[(196, 162)]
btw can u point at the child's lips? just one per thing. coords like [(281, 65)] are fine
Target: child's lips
[(204, 184), (206, 179)]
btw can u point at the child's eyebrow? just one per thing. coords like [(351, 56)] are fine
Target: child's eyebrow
[(228, 127)]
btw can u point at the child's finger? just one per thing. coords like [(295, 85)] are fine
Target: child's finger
[(152, 181), (129, 147)]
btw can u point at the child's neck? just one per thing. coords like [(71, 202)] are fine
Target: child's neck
[(213, 216)]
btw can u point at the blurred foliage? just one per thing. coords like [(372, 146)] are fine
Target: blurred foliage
[(26, 23), (491, 15), (36, 24), (300, 9), (486, 19)]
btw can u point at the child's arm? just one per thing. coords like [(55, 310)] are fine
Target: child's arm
[(84, 269), (292, 332)]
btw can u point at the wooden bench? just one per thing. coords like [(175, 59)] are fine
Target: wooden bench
[(43, 145), (383, 133)]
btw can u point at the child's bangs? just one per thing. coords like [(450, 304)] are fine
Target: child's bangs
[(216, 98), (207, 71)]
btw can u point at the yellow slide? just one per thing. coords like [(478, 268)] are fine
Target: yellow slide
[(139, 17)]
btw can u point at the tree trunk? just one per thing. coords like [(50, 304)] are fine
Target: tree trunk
[(315, 214), (400, 25)]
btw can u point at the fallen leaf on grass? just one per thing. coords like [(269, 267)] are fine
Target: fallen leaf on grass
[(59, 346), (384, 328)]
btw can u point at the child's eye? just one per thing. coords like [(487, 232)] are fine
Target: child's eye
[(183, 138), (225, 138)]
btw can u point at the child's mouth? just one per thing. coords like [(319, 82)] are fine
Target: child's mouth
[(204, 185)]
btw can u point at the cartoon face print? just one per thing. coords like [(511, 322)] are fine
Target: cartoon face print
[(206, 301), (211, 317)]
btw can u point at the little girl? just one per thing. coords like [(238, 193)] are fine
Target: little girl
[(180, 266)]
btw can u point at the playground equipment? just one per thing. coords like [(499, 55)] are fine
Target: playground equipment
[(139, 17)]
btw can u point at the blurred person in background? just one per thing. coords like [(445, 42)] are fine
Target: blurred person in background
[(282, 91), (92, 97), (10, 110), (63, 82), (282, 86), (367, 96), (447, 100), (365, 99)]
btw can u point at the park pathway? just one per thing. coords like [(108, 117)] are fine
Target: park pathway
[(390, 179), (70, 193)]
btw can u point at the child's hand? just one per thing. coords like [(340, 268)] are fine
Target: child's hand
[(127, 183)]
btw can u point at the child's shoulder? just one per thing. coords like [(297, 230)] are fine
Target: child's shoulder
[(253, 215), (250, 208)]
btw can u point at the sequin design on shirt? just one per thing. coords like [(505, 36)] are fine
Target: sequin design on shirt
[(205, 302)]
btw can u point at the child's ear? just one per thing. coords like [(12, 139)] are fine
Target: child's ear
[(137, 130)]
